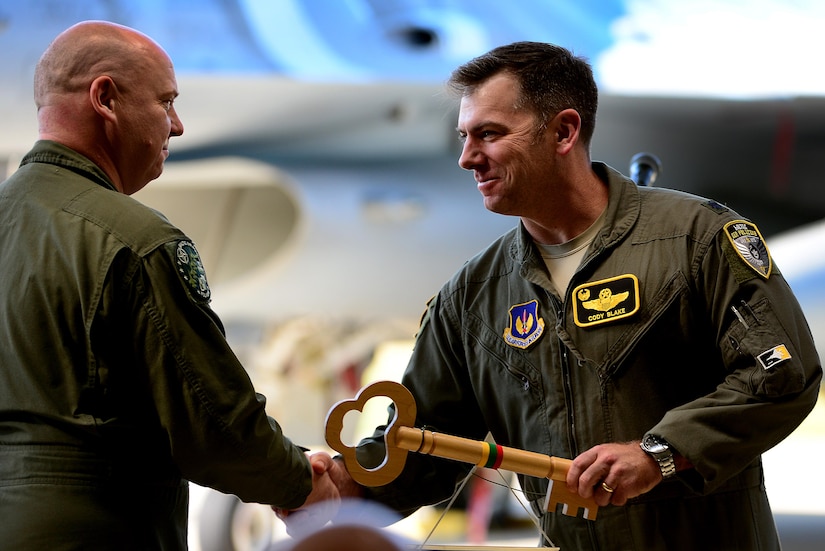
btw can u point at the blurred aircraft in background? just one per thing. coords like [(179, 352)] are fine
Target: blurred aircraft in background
[(318, 169)]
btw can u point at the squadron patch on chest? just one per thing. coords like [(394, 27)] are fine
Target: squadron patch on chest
[(606, 300), (749, 245), (525, 325), (190, 269)]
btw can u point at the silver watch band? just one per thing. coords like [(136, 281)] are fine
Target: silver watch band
[(667, 466), (661, 452)]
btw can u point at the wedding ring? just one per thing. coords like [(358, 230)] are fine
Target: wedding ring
[(607, 488)]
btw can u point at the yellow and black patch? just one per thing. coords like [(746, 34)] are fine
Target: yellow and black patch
[(191, 271), (606, 300), (773, 356), (749, 246)]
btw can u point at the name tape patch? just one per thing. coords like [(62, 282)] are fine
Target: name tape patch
[(606, 300)]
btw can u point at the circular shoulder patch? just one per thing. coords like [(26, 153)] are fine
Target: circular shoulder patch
[(190, 269), (749, 245)]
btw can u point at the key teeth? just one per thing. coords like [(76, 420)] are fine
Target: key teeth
[(571, 503)]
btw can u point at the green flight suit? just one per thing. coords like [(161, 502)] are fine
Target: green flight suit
[(117, 385), (645, 340)]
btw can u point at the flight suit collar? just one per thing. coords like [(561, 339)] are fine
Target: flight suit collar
[(54, 153), (623, 208)]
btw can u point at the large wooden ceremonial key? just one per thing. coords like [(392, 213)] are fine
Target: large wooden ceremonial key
[(401, 437)]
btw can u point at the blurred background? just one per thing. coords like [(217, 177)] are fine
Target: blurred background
[(318, 176)]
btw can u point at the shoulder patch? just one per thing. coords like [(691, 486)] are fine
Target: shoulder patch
[(605, 300), (749, 246), (428, 312), (775, 355), (191, 271)]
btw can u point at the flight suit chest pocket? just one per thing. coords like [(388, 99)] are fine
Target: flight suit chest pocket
[(605, 346), (488, 351)]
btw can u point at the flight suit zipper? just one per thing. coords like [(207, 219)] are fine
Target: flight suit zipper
[(568, 398)]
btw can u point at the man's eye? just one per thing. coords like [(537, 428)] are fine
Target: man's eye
[(167, 104)]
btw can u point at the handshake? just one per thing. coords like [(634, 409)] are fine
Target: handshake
[(331, 485), (334, 499)]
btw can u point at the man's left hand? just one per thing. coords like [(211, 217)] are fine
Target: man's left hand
[(613, 473)]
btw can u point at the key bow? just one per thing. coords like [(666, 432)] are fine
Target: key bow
[(395, 456)]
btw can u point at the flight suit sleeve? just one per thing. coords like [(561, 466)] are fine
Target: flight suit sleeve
[(218, 431), (435, 378), (773, 369)]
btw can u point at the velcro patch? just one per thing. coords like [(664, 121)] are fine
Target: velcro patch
[(525, 325), (715, 207), (190, 268), (750, 246), (606, 300), (775, 355)]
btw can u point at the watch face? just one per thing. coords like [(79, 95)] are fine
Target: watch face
[(653, 445), (660, 451)]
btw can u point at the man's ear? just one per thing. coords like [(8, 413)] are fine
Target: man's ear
[(567, 124), (103, 95)]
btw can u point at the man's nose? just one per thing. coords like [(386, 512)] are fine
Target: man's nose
[(469, 157), (177, 125)]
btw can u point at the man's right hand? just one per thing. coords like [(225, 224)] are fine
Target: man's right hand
[(331, 482)]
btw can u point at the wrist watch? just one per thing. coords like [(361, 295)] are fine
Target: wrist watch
[(659, 450)]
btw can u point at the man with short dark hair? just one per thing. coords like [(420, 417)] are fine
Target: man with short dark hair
[(642, 332)]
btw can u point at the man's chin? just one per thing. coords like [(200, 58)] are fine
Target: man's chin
[(155, 174), (492, 204), (137, 186)]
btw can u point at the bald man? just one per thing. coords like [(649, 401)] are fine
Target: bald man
[(351, 537), (117, 385)]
